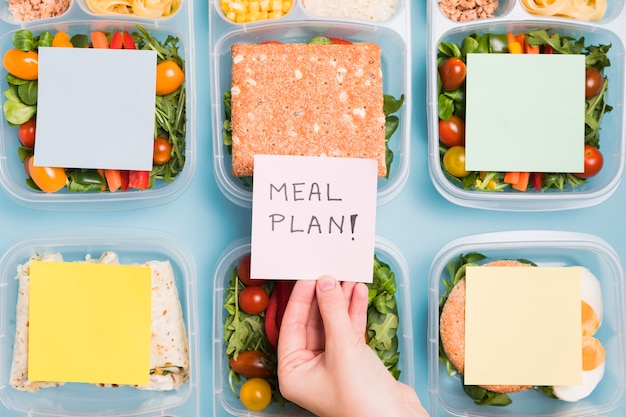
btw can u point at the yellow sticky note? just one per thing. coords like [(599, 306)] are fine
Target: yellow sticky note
[(523, 326), (89, 322)]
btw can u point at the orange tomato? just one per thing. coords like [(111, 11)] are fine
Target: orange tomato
[(24, 65), (48, 179), (169, 77)]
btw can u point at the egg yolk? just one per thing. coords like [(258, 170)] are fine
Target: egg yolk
[(593, 353), (590, 320)]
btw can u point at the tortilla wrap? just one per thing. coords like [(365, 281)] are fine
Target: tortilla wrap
[(169, 352)]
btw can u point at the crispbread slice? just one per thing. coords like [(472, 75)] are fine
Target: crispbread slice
[(305, 99)]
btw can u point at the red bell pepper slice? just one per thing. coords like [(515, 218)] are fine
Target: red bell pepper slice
[(537, 180), (139, 179), (276, 310), (124, 178), (129, 42), (117, 41)]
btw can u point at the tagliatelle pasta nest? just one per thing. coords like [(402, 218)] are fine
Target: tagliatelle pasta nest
[(143, 8), (575, 9)]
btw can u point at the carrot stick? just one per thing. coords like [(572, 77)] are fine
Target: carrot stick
[(114, 179), (522, 184), (511, 177), (99, 40), (531, 49)]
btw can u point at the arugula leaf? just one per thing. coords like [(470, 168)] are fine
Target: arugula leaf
[(483, 397)]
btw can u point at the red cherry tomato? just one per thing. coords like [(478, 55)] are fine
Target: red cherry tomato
[(26, 133), (339, 41), (243, 271), (452, 72), (452, 131), (593, 162), (26, 163), (594, 81), (162, 151), (253, 300), (251, 364)]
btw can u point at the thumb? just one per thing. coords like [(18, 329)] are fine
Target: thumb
[(334, 310)]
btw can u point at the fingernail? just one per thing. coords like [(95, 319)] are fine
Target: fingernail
[(326, 282)]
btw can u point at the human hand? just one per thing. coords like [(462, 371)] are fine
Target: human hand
[(324, 364)]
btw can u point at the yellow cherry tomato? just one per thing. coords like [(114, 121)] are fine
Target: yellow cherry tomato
[(169, 77), (256, 394), (48, 179), (24, 65), (454, 161)]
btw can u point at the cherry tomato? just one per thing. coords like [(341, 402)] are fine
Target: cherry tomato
[(48, 179), (253, 300), (452, 131), (24, 65), (256, 394), (169, 77), (26, 162), (454, 161), (251, 364), (339, 41), (452, 72), (594, 81), (162, 151), (26, 133), (243, 271), (593, 162)]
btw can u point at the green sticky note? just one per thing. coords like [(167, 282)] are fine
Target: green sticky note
[(525, 113), (89, 322)]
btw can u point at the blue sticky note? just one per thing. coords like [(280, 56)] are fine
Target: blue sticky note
[(525, 112), (96, 108)]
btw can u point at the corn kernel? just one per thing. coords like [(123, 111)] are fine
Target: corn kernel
[(241, 18), (276, 5), (263, 15), (231, 16), (265, 5), (286, 6), (275, 14), (253, 6)]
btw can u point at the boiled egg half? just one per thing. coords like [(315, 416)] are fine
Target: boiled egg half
[(593, 352)]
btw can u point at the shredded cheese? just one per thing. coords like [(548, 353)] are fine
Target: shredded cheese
[(574, 9)]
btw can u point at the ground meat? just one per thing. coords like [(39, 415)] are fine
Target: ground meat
[(463, 10), (27, 10)]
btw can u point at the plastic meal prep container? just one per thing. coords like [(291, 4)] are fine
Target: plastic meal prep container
[(512, 17), (133, 246), (393, 35), (80, 19), (545, 248), (224, 401)]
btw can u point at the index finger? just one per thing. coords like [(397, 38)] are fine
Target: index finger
[(295, 318)]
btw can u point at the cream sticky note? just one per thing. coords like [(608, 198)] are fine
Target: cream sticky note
[(523, 326), (313, 216), (96, 108), (89, 322), (525, 112)]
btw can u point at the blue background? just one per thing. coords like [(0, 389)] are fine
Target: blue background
[(419, 221)]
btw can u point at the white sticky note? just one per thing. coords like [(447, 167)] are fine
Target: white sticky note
[(96, 108), (313, 216), (525, 113)]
